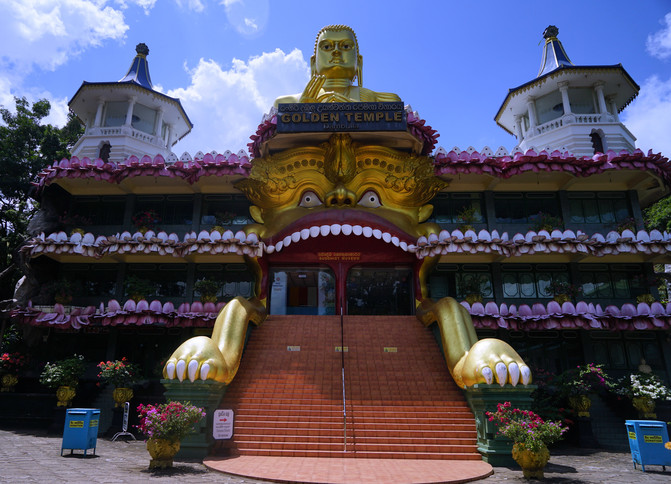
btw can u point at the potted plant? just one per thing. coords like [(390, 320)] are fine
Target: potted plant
[(467, 217), (564, 291), (165, 425), (644, 388), (208, 289), (578, 383), (10, 364), (64, 375), (137, 288), (146, 220), (122, 375), (545, 221), (471, 286), (63, 290), (530, 435)]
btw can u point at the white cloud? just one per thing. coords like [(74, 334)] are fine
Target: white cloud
[(247, 17), (649, 116), (659, 43), (147, 5), (226, 106), (195, 5)]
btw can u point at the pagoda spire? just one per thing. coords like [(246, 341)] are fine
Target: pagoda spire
[(138, 72), (554, 55)]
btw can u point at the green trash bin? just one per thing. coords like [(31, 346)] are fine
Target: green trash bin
[(81, 429), (646, 441)]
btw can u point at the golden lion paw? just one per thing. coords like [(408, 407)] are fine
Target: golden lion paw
[(198, 358), (490, 359)]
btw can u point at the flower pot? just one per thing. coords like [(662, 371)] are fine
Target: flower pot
[(473, 298), (64, 395), (162, 452), (580, 404), (561, 298), (9, 381), (531, 462), (122, 395), (645, 407)]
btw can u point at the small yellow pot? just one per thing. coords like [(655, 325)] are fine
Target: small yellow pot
[(580, 404), (645, 406), (531, 462), (64, 395), (9, 381), (122, 395), (162, 452)]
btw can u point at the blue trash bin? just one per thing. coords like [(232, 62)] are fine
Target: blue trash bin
[(646, 442), (81, 429)]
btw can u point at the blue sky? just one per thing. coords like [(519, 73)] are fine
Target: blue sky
[(227, 61)]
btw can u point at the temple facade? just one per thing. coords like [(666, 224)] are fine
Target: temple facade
[(137, 250)]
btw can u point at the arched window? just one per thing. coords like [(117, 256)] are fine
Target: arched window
[(104, 153), (597, 142)]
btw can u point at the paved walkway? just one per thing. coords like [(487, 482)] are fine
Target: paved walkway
[(28, 456)]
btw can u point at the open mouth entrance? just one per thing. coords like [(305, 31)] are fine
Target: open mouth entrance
[(357, 289)]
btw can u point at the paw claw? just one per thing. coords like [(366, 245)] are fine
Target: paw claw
[(193, 369), (180, 370), (526, 374), (501, 373), (488, 375), (514, 372), (170, 370), (204, 370)]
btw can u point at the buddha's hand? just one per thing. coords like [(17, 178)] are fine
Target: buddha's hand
[(490, 359), (312, 89), (198, 358)]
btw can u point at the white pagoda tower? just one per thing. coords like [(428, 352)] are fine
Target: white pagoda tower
[(128, 117), (569, 108)]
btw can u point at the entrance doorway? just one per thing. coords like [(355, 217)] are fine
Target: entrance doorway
[(309, 291), (381, 291)]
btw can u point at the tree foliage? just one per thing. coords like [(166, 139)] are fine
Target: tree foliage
[(658, 215), (26, 147)]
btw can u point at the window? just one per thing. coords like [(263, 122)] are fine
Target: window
[(233, 280), (164, 280), (172, 209), (521, 281), (225, 210), (597, 142), (106, 210), (457, 208), (143, 118), (549, 107), (115, 113), (524, 208), (598, 207), (582, 100), (92, 280), (461, 280), (617, 281)]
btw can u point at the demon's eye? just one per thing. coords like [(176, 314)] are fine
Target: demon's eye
[(309, 200), (370, 199)]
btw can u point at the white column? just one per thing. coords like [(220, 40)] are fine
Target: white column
[(563, 88), (518, 128), (129, 113), (598, 87), (159, 122), (99, 113), (171, 135), (531, 106), (613, 109)]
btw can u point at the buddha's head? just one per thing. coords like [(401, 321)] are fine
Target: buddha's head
[(336, 54)]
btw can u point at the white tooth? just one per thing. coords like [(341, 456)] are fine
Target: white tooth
[(395, 240), (488, 375), (367, 232), (526, 375), (404, 246), (357, 230), (180, 370), (204, 371), (170, 370), (386, 237), (346, 229), (514, 371), (501, 373), (325, 230), (287, 241), (412, 248), (270, 249), (314, 231), (377, 233), (193, 369), (335, 229), (296, 236), (305, 233), (279, 245)]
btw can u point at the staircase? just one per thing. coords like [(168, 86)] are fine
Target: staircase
[(400, 399)]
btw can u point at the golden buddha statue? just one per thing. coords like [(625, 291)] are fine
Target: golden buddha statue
[(334, 65)]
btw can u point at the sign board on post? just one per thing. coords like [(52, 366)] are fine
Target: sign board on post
[(222, 425)]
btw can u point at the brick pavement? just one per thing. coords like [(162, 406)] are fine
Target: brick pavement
[(29, 456)]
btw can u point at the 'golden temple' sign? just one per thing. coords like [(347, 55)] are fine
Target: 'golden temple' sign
[(315, 117)]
